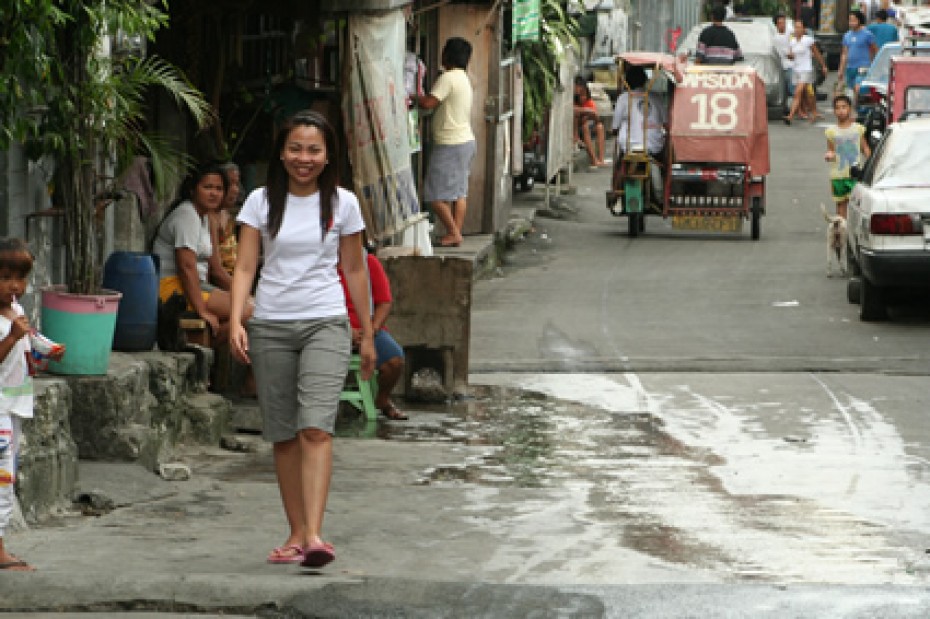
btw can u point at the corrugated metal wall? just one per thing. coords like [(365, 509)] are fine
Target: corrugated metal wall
[(685, 14), (653, 21)]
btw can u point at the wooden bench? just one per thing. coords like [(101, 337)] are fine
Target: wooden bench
[(196, 331)]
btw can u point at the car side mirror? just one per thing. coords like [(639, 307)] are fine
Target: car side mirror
[(855, 172)]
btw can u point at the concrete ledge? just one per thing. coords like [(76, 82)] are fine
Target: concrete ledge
[(145, 404)]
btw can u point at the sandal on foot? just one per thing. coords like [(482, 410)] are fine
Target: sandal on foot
[(291, 553), (12, 565), (318, 555), (393, 413)]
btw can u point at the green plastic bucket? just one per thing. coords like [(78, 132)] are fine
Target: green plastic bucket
[(84, 323)]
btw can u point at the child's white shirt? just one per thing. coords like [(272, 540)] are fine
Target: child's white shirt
[(16, 390)]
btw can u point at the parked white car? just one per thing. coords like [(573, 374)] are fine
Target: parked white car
[(888, 223)]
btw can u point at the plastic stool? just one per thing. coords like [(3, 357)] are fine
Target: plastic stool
[(358, 392)]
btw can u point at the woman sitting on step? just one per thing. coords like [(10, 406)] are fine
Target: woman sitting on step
[(187, 261)]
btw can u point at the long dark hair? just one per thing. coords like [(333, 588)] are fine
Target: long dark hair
[(186, 192), (277, 182)]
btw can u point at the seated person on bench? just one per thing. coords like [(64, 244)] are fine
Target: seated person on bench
[(186, 253), (628, 122), (390, 361), (588, 126), (628, 115)]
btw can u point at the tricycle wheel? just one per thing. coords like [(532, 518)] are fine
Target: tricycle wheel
[(756, 218), (633, 221)]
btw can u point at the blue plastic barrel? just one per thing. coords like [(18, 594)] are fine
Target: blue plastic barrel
[(135, 275)]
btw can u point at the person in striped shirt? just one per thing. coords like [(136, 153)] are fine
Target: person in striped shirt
[(717, 43)]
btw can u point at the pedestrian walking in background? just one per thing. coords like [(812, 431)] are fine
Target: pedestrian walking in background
[(802, 50), (453, 149), (783, 47), (846, 145), (883, 31), (298, 340), (859, 49), (16, 391)]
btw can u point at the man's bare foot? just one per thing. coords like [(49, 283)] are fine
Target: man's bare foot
[(451, 240)]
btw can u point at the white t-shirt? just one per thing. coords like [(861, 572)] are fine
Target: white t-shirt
[(452, 119), (783, 45), (801, 48), (658, 116), (299, 280), (183, 227), (16, 391)]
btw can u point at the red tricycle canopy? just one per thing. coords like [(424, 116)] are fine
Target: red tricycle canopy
[(719, 115)]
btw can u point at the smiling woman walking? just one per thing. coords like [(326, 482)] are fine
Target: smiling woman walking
[(299, 340)]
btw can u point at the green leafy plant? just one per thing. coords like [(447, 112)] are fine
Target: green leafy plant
[(69, 92), (541, 60)]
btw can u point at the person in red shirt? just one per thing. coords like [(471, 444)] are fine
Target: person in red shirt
[(390, 356), (587, 122)]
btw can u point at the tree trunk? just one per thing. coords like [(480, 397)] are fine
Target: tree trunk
[(75, 173)]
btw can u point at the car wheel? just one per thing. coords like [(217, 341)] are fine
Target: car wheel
[(853, 290), (871, 301)]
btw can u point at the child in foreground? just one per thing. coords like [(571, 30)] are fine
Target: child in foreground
[(846, 144), (16, 394)]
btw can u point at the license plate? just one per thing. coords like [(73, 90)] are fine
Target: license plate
[(708, 223)]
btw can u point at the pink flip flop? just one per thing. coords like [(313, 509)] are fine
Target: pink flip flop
[(292, 553), (318, 555)]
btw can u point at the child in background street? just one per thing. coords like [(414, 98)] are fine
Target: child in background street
[(846, 144), (15, 383)]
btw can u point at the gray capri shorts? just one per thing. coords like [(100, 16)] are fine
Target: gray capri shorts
[(300, 368), (447, 174)]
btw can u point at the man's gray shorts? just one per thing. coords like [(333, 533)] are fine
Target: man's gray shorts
[(300, 367), (447, 173)]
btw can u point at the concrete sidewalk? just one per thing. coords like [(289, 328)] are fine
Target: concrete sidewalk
[(144, 543)]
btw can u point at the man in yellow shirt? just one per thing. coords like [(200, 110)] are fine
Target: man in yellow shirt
[(453, 148)]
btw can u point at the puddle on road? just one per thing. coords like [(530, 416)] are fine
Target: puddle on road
[(648, 480)]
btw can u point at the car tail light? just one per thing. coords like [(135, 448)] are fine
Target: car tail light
[(896, 224), (872, 96)]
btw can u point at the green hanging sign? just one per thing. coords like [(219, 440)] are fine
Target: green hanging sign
[(525, 20)]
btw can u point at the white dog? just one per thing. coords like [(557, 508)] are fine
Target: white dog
[(836, 242)]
